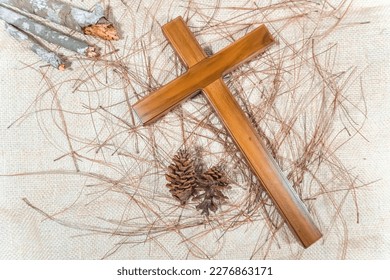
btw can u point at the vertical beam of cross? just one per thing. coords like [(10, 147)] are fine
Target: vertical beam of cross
[(235, 121)]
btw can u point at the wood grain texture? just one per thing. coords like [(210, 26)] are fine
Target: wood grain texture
[(202, 74), (239, 127), (245, 137)]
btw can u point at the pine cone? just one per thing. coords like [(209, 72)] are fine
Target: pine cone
[(210, 185), (181, 177)]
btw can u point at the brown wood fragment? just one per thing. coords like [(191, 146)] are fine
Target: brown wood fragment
[(105, 31)]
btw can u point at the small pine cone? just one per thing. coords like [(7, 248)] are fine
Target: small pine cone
[(210, 186), (181, 177), (213, 176)]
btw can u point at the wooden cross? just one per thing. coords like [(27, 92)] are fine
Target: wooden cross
[(204, 73)]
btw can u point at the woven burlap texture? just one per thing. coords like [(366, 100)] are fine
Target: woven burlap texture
[(26, 234)]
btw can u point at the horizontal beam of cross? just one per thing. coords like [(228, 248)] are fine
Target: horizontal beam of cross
[(202, 74)]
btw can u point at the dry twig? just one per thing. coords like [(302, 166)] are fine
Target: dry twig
[(30, 43), (45, 32), (90, 23)]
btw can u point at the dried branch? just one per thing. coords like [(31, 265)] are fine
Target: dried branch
[(45, 32), (30, 43), (90, 23)]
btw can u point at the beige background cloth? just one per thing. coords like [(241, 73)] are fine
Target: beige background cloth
[(25, 234)]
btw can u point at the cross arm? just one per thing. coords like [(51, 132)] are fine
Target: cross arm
[(202, 74)]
